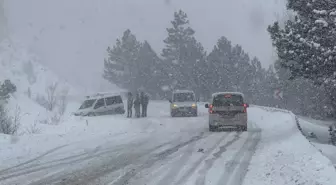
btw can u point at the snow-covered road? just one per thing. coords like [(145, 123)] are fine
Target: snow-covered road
[(160, 150)]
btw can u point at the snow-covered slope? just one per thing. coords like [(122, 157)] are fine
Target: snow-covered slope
[(77, 32), (24, 69)]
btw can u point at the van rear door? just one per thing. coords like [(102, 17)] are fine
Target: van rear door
[(228, 105)]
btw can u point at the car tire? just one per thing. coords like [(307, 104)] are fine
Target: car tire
[(91, 114), (119, 111), (243, 128), (212, 128), (172, 114)]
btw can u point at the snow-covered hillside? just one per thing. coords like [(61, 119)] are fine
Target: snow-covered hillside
[(24, 69), (77, 32)]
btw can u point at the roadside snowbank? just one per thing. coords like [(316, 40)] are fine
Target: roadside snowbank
[(284, 155), (319, 129), (322, 139), (327, 150)]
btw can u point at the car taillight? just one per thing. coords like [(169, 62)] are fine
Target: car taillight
[(210, 109), (245, 107)]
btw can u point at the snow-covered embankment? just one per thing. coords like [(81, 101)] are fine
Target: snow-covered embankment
[(284, 155)]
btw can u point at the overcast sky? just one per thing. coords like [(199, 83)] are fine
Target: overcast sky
[(70, 36)]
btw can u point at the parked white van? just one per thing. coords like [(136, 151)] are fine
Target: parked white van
[(101, 104)]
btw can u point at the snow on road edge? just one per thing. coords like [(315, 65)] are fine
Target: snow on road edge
[(284, 155)]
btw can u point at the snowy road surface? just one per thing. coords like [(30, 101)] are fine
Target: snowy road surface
[(162, 150)]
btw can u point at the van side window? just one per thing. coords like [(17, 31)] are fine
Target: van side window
[(100, 103), (113, 100), (118, 99)]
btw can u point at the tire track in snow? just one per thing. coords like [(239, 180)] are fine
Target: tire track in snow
[(93, 173), (209, 162), (173, 172), (82, 177), (30, 163), (169, 177), (236, 160), (34, 169), (32, 160), (153, 159), (16, 172), (191, 170), (241, 172)]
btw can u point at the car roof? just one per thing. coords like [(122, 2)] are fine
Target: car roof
[(221, 93), (102, 95), (183, 91)]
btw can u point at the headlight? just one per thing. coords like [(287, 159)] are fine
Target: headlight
[(174, 106), (194, 105)]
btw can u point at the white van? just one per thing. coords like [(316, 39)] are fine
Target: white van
[(101, 104), (183, 103)]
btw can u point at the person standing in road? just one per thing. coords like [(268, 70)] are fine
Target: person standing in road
[(137, 103), (129, 104), (144, 103)]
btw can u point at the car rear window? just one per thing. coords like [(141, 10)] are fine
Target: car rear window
[(227, 100)]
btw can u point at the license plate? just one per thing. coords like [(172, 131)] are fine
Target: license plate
[(230, 118), (227, 116), (227, 127), (184, 109)]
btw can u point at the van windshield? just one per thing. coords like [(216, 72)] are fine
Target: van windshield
[(87, 103), (227, 100), (183, 97)]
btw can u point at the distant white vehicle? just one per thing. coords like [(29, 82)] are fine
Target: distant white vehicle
[(101, 104), (183, 103)]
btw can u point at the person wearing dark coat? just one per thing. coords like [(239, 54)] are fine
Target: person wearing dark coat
[(144, 103), (129, 104), (137, 104)]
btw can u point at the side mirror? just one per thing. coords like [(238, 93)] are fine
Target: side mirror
[(330, 128), (170, 101), (247, 105), (206, 106)]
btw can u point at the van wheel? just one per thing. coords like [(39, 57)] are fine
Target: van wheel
[(212, 128), (243, 128), (119, 111), (91, 114)]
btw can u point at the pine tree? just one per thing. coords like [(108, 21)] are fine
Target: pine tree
[(150, 71), (6, 88), (181, 53), (121, 67), (306, 46), (257, 76), (239, 66), (219, 63), (311, 101)]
